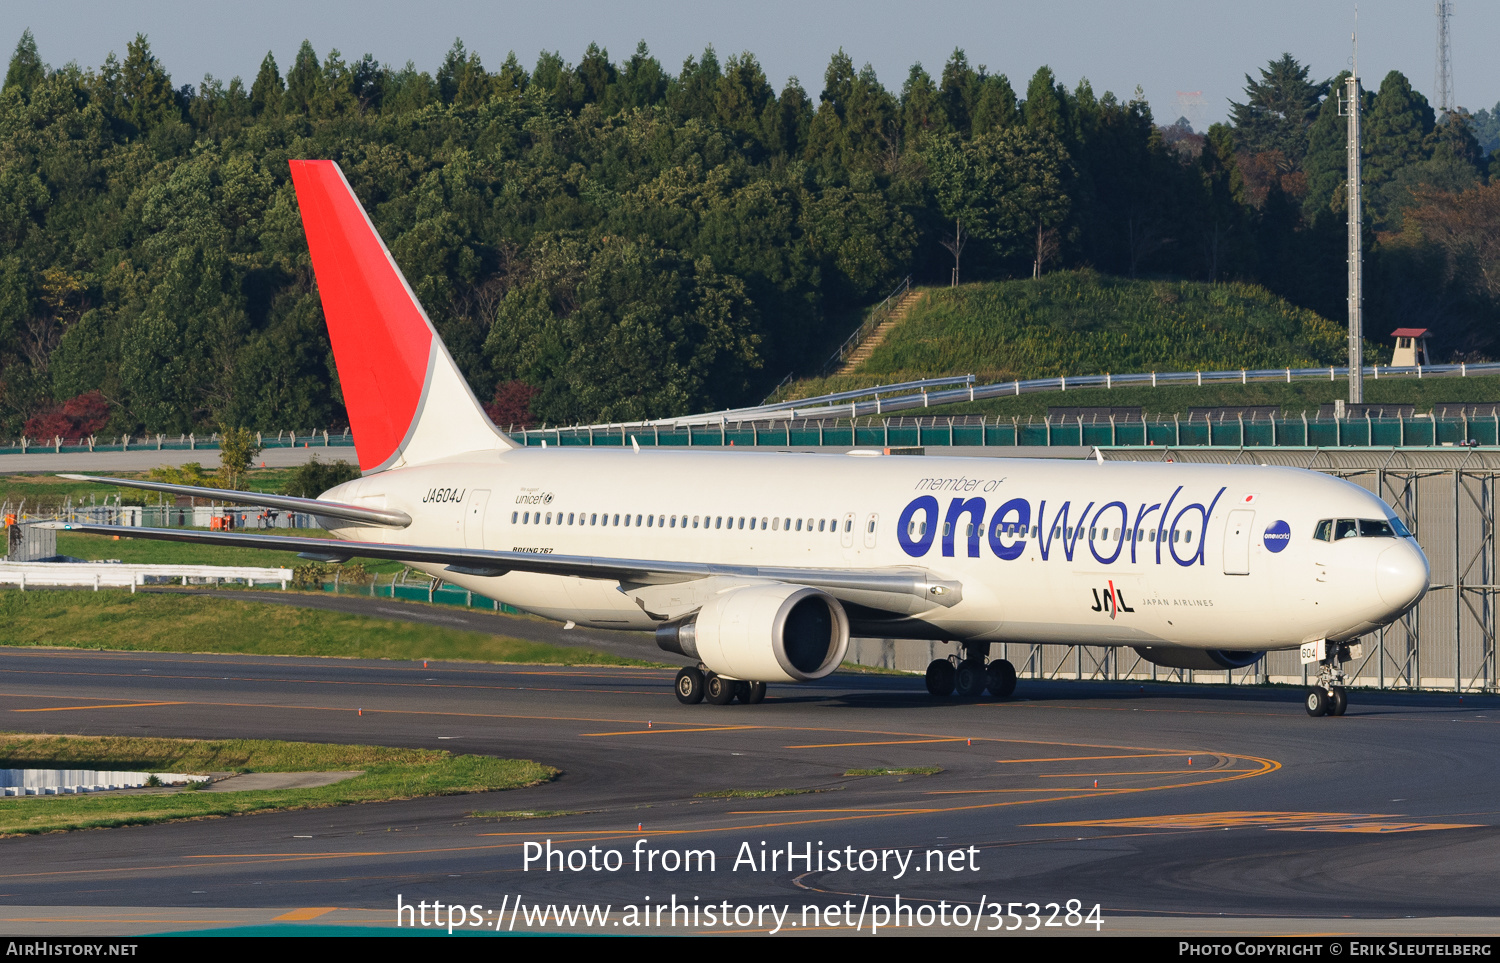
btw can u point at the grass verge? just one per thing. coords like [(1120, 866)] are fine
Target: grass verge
[(388, 774), (1074, 322), (523, 813), (150, 622), (755, 793), (905, 771)]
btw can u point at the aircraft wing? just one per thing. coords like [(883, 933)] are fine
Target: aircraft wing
[(291, 503), (912, 583)]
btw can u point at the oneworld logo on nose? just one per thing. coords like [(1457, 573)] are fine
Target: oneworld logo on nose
[(1278, 536)]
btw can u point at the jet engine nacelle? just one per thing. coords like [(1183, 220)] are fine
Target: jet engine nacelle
[(1179, 658), (764, 633)]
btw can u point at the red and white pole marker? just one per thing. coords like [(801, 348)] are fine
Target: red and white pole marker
[(1190, 760), (648, 723), (424, 663), (1096, 784), (360, 712), (968, 742), (639, 827)]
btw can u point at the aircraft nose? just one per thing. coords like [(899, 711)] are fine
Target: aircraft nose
[(1401, 575)]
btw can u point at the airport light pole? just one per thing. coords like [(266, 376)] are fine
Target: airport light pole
[(1356, 279)]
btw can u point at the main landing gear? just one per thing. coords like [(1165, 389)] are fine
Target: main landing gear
[(1329, 697), (972, 675), (697, 684)]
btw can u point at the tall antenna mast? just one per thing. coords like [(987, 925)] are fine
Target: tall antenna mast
[(1444, 58), (1356, 224)]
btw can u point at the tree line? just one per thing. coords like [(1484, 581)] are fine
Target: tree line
[(611, 240)]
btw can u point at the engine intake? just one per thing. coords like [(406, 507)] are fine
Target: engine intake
[(1179, 658), (764, 633)]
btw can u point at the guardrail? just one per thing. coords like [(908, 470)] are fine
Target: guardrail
[(118, 575), (875, 319), (974, 431), (932, 392), (189, 442)]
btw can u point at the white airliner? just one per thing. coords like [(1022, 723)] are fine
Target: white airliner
[(760, 565)]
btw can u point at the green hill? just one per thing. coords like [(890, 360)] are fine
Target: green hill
[(1083, 322)]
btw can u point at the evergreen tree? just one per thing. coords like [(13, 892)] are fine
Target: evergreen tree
[(742, 97), (462, 79), (26, 68), (302, 81), (996, 107), (959, 92), (642, 83), (512, 79), (1326, 163), (1396, 136), (692, 94), (596, 75), (1278, 109), (791, 120), (267, 91), (921, 106), (146, 87), (1046, 106)]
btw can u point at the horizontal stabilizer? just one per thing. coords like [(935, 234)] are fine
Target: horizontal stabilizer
[(291, 503)]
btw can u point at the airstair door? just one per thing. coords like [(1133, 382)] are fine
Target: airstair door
[(474, 518), (1237, 542)]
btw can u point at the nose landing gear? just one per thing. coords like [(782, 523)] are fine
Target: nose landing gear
[(972, 675), (1329, 697)]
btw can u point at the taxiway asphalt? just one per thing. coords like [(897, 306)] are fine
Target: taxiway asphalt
[(1224, 810)]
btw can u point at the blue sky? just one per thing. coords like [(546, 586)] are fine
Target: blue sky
[(1169, 48)]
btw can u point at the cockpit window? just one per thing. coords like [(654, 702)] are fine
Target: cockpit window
[(1334, 529)]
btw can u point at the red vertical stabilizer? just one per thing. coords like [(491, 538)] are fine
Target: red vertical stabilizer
[(407, 401)]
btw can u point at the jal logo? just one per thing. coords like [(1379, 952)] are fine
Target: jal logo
[(1278, 536), (1111, 600)]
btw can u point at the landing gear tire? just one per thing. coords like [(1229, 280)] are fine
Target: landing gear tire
[(750, 693), (971, 679), (1000, 677), (689, 686), (940, 678), (719, 692), (1318, 702), (1338, 703)]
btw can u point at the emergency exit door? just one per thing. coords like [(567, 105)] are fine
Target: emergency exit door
[(474, 518), (1237, 542)]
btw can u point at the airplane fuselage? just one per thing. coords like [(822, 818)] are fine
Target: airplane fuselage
[(1195, 556)]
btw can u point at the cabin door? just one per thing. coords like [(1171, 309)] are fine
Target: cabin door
[(1237, 542), (474, 518)]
